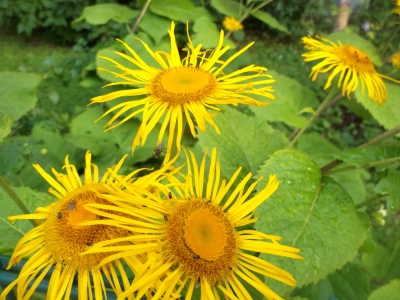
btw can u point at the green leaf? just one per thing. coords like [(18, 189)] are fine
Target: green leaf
[(155, 26), (12, 156), (291, 98), (10, 234), (51, 141), (308, 110), (18, 93), (383, 264), (387, 114), (228, 8), (5, 125), (361, 156), (348, 283), (207, 34), (317, 217), (322, 152), (244, 142), (102, 13), (356, 41), (390, 185), (269, 20), (178, 10), (390, 291), (110, 146)]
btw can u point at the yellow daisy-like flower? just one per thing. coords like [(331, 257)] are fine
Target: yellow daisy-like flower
[(182, 90), (231, 24), (197, 236), (351, 63), (59, 239), (395, 60), (397, 9)]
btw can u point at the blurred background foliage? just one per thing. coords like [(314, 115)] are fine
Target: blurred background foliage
[(48, 74)]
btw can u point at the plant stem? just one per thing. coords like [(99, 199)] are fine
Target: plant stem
[(372, 200), (324, 103), (139, 18), (374, 141), (15, 198), (366, 166), (390, 40)]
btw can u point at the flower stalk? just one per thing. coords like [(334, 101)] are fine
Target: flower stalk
[(327, 102), (4, 185)]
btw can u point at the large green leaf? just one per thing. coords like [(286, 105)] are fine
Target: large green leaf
[(348, 283), (390, 291), (5, 125), (357, 41), (390, 185), (383, 264), (361, 156), (387, 114), (291, 99), (244, 141), (207, 34), (10, 234), (317, 216), (269, 20), (322, 152), (155, 26), (18, 93), (178, 10), (228, 8), (51, 142), (102, 13), (110, 146)]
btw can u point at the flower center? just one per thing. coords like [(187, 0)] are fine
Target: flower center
[(202, 239), (355, 59), (205, 235), (180, 85), (65, 238)]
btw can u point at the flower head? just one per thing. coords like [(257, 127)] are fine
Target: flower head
[(395, 60), (351, 63), (182, 90), (197, 236), (231, 24), (59, 239), (396, 10)]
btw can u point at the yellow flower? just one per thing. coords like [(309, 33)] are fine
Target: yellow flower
[(58, 240), (231, 24), (395, 60), (397, 9), (182, 90), (197, 236), (352, 64)]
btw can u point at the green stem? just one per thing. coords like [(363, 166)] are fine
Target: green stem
[(390, 40), (247, 13), (374, 199), (139, 18), (376, 140), (366, 166), (324, 103), (15, 198)]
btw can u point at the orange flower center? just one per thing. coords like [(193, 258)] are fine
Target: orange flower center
[(355, 59), (202, 239), (205, 235), (180, 85), (65, 238)]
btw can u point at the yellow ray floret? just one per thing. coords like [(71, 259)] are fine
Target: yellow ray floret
[(193, 230), (181, 90), (351, 64)]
